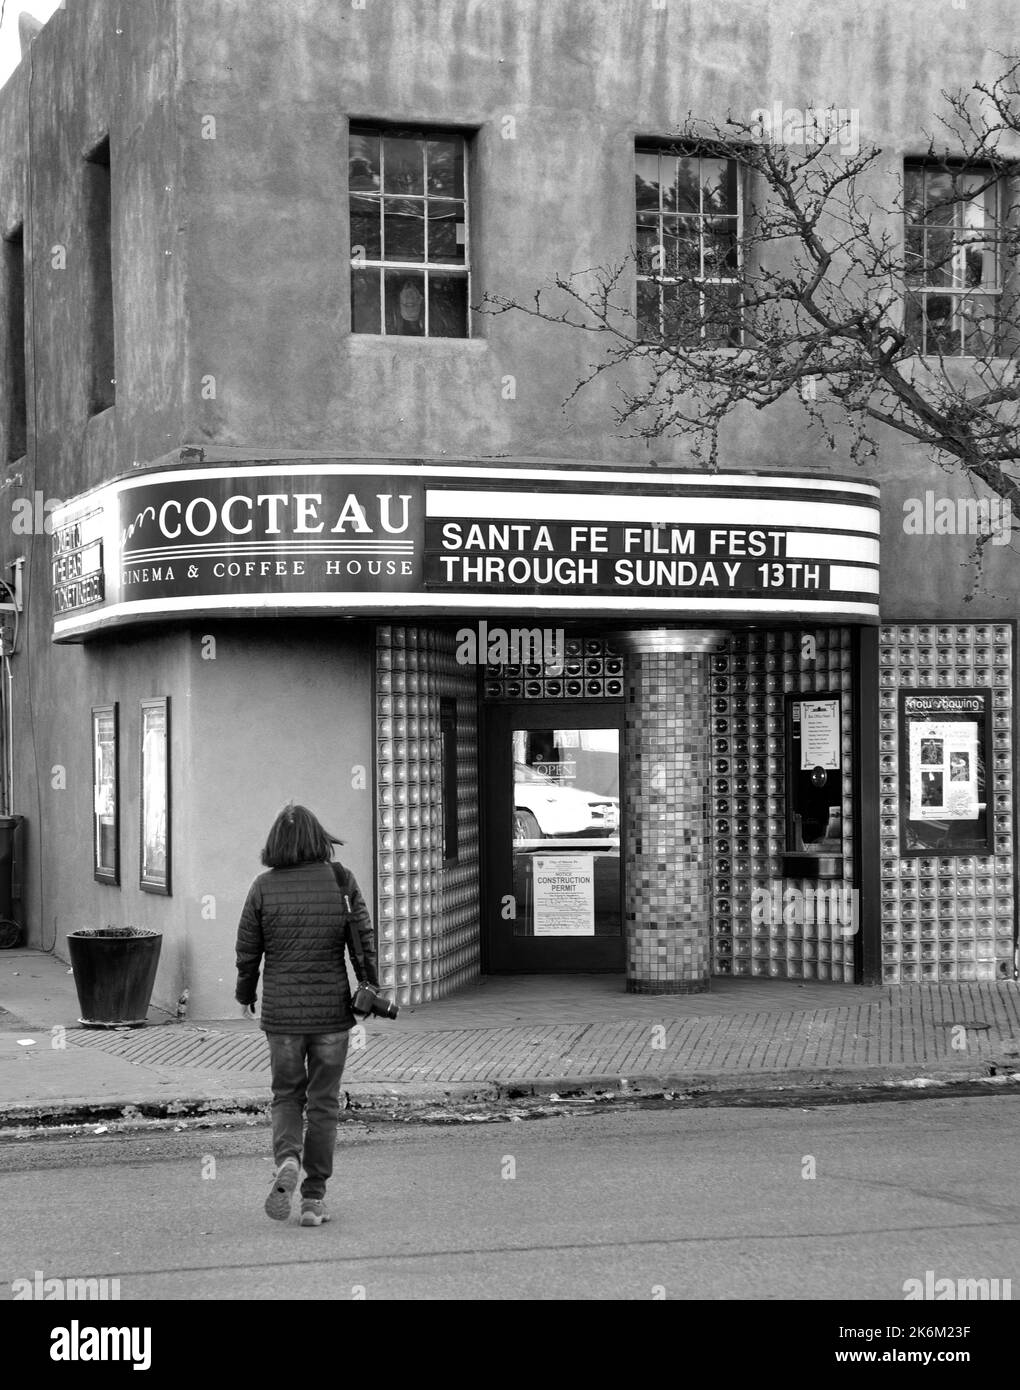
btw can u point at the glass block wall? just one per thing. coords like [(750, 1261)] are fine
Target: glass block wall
[(750, 677), (947, 917), (592, 669), (427, 911)]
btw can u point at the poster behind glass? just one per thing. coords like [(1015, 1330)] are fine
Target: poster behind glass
[(943, 772), (154, 763), (105, 800)]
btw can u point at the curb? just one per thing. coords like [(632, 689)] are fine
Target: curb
[(411, 1098)]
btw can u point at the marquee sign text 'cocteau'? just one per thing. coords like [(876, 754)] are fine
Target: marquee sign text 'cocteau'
[(388, 538)]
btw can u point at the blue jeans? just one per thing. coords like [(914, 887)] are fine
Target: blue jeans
[(306, 1071)]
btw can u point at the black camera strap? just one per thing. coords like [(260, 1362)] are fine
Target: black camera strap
[(353, 944)]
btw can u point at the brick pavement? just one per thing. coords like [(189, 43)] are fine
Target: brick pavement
[(527, 1032)]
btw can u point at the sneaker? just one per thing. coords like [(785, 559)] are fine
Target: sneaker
[(278, 1201), (313, 1211)]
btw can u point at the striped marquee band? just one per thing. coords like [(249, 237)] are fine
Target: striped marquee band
[(395, 538)]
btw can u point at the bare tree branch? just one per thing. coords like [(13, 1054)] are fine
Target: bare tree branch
[(898, 314)]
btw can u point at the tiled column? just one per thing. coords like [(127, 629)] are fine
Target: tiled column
[(667, 850)]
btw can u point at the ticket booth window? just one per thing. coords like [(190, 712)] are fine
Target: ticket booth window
[(814, 787)]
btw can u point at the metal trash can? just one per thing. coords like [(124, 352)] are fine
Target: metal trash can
[(114, 972)]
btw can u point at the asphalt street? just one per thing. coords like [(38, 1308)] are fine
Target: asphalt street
[(672, 1203)]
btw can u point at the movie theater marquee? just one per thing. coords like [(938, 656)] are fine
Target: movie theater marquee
[(383, 539)]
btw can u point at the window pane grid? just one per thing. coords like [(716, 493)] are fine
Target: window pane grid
[(409, 234), (945, 323), (688, 227), (952, 261)]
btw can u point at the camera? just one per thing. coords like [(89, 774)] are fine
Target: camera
[(368, 1001)]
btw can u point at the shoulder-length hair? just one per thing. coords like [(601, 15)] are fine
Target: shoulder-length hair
[(297, 837)]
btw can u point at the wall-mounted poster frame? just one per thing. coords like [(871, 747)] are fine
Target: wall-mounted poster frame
[(154, 801), (945, 753), (105, 795)]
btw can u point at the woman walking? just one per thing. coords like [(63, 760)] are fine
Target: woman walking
[(295, 916)]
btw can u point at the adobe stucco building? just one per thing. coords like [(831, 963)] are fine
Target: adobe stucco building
[(264, 466)]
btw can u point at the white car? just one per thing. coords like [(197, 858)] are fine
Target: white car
[(543, 809)]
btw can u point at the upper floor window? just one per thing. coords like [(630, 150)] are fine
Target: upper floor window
[(409, 255), (688, 235), (953, 259)]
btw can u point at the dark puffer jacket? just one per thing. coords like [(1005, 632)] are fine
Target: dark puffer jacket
[(295, 917)]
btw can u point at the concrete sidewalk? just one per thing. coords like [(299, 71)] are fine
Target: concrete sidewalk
[(510, 1037)]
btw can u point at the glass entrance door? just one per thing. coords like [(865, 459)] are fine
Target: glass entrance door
[(552, 814)]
